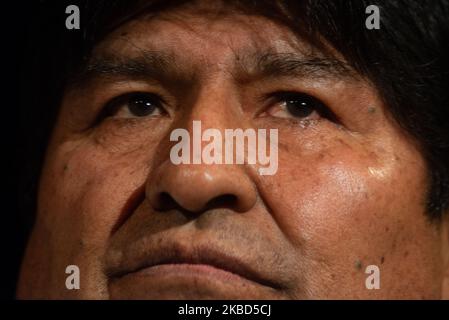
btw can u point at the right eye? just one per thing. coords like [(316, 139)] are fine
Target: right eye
[(135, 105)]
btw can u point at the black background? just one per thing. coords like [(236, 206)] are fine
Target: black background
[(15, 18)]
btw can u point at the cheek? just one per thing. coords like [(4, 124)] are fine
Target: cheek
[(346, 207), (338, 183), (86, 190), (339, 195), (85, 187), (82, 196), (88, 179)]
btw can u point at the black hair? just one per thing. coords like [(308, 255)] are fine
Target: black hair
[(407, 60)]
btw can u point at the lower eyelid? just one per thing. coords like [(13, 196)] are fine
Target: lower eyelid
[(125, 113)]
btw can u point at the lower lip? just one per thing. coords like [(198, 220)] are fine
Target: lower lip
[(187, 281), (191, 270)]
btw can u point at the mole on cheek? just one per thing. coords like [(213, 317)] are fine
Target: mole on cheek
[(371, 110)]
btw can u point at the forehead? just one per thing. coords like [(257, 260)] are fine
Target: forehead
[(193, 41), (203, 34)]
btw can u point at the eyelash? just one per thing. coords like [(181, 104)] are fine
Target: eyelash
[(317, 105), (285, 97), (113, 106)]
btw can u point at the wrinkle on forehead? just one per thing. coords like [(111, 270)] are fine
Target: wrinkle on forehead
[(214, 25), (193, 44)]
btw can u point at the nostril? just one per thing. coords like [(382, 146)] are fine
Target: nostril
[(166, 202), (222, 201)]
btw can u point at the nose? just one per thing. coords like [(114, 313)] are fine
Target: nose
[(198, 187)]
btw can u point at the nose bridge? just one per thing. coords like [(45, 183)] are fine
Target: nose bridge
[(217, 104), (197, 185)]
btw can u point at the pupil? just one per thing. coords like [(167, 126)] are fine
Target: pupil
[(141, 106), (299, 108)]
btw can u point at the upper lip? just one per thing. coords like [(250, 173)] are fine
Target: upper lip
[(178, 253)]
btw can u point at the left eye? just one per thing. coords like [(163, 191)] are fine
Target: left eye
[(141, 105), (297, 105), (300, 106)]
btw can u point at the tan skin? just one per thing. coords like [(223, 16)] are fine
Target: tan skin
[(347, 193)]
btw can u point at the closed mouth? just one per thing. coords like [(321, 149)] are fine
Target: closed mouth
[(182, 260)]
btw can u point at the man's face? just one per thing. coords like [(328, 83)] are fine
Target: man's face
[(349, 191)]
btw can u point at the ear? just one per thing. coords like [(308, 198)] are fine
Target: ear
[(445, 253)]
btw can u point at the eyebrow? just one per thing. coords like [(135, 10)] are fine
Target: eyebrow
[(293, 65), (167, 69), (149, 65)]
